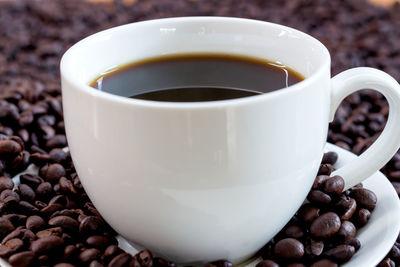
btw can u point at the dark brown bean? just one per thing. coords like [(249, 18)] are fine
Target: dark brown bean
[(54, 172), (91, 225), (145, 259), (35, 222), (314, 247), (46, 244), (97, 241), (95, 264), (112, 251), (26, 192), (346, 207), (341, 253), (319, 180), (9, 148), (346, 232), (58, 140), (64, 264), (365, 198), (308, 213), (65, 222), (330, 158), (120, 260), (267, 263), (325, 169), (22, 259), (289, 248), (6, 227), (6, 183), (54, 231), (89, 255), (318, 197), (354, 243), (294, 231), (362, 217), (325, 225), (44, 190), (324, 263), (334, 185)]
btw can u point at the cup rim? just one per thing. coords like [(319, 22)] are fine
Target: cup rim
[(192, 105)]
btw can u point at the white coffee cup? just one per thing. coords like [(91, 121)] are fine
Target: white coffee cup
[(197, 182)]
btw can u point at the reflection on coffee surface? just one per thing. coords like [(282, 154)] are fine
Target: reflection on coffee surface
[(196, 78)]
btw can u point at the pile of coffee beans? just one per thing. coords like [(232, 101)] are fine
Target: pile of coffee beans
[(34, 36), (323, 231)]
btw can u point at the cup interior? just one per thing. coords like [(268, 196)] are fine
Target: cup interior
[(106, 50)]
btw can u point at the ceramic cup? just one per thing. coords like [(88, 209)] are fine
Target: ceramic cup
[(197, 182)]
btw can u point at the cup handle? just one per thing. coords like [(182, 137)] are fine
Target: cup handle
[(383, 149)]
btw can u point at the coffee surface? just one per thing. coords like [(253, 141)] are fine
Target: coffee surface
[(196, 78)]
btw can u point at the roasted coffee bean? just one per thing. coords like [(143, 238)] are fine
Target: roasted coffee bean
[(314, 247), (319, 180), (54, 172), (330, 158), (26, 192), (63, 264), (34, 222), (46, 244), (120, 260), (69, 251), (365, 198), (145, 259), (7, 193), (6, 183), (347, 231), (289, 248), (58, 140), (341, 253), (91, 225), (5, 227), (362, 217), (324, 263), (22, 259), (219, 263), (267, 263), (10, 247), (27, 208), (15, 219), (32, 180), (325, 225), (49, 209), (66, 186), (9, 148), (325, 169), (97, 241), (334, 185), (387, 262), (40, 159), (346, 207), (294, 231), (295, 264), (89, 255), (95, 264), (160, 262), (65, 222), (54, 231), (308, 213), (44, 190), (58, 155), (354, 243), (318, 197)]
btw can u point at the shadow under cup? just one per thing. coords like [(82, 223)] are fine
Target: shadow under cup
[(197, 182)]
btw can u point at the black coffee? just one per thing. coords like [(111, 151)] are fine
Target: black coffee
[(196, 77)]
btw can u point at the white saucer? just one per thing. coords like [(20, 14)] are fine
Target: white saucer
[(376, 238)]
